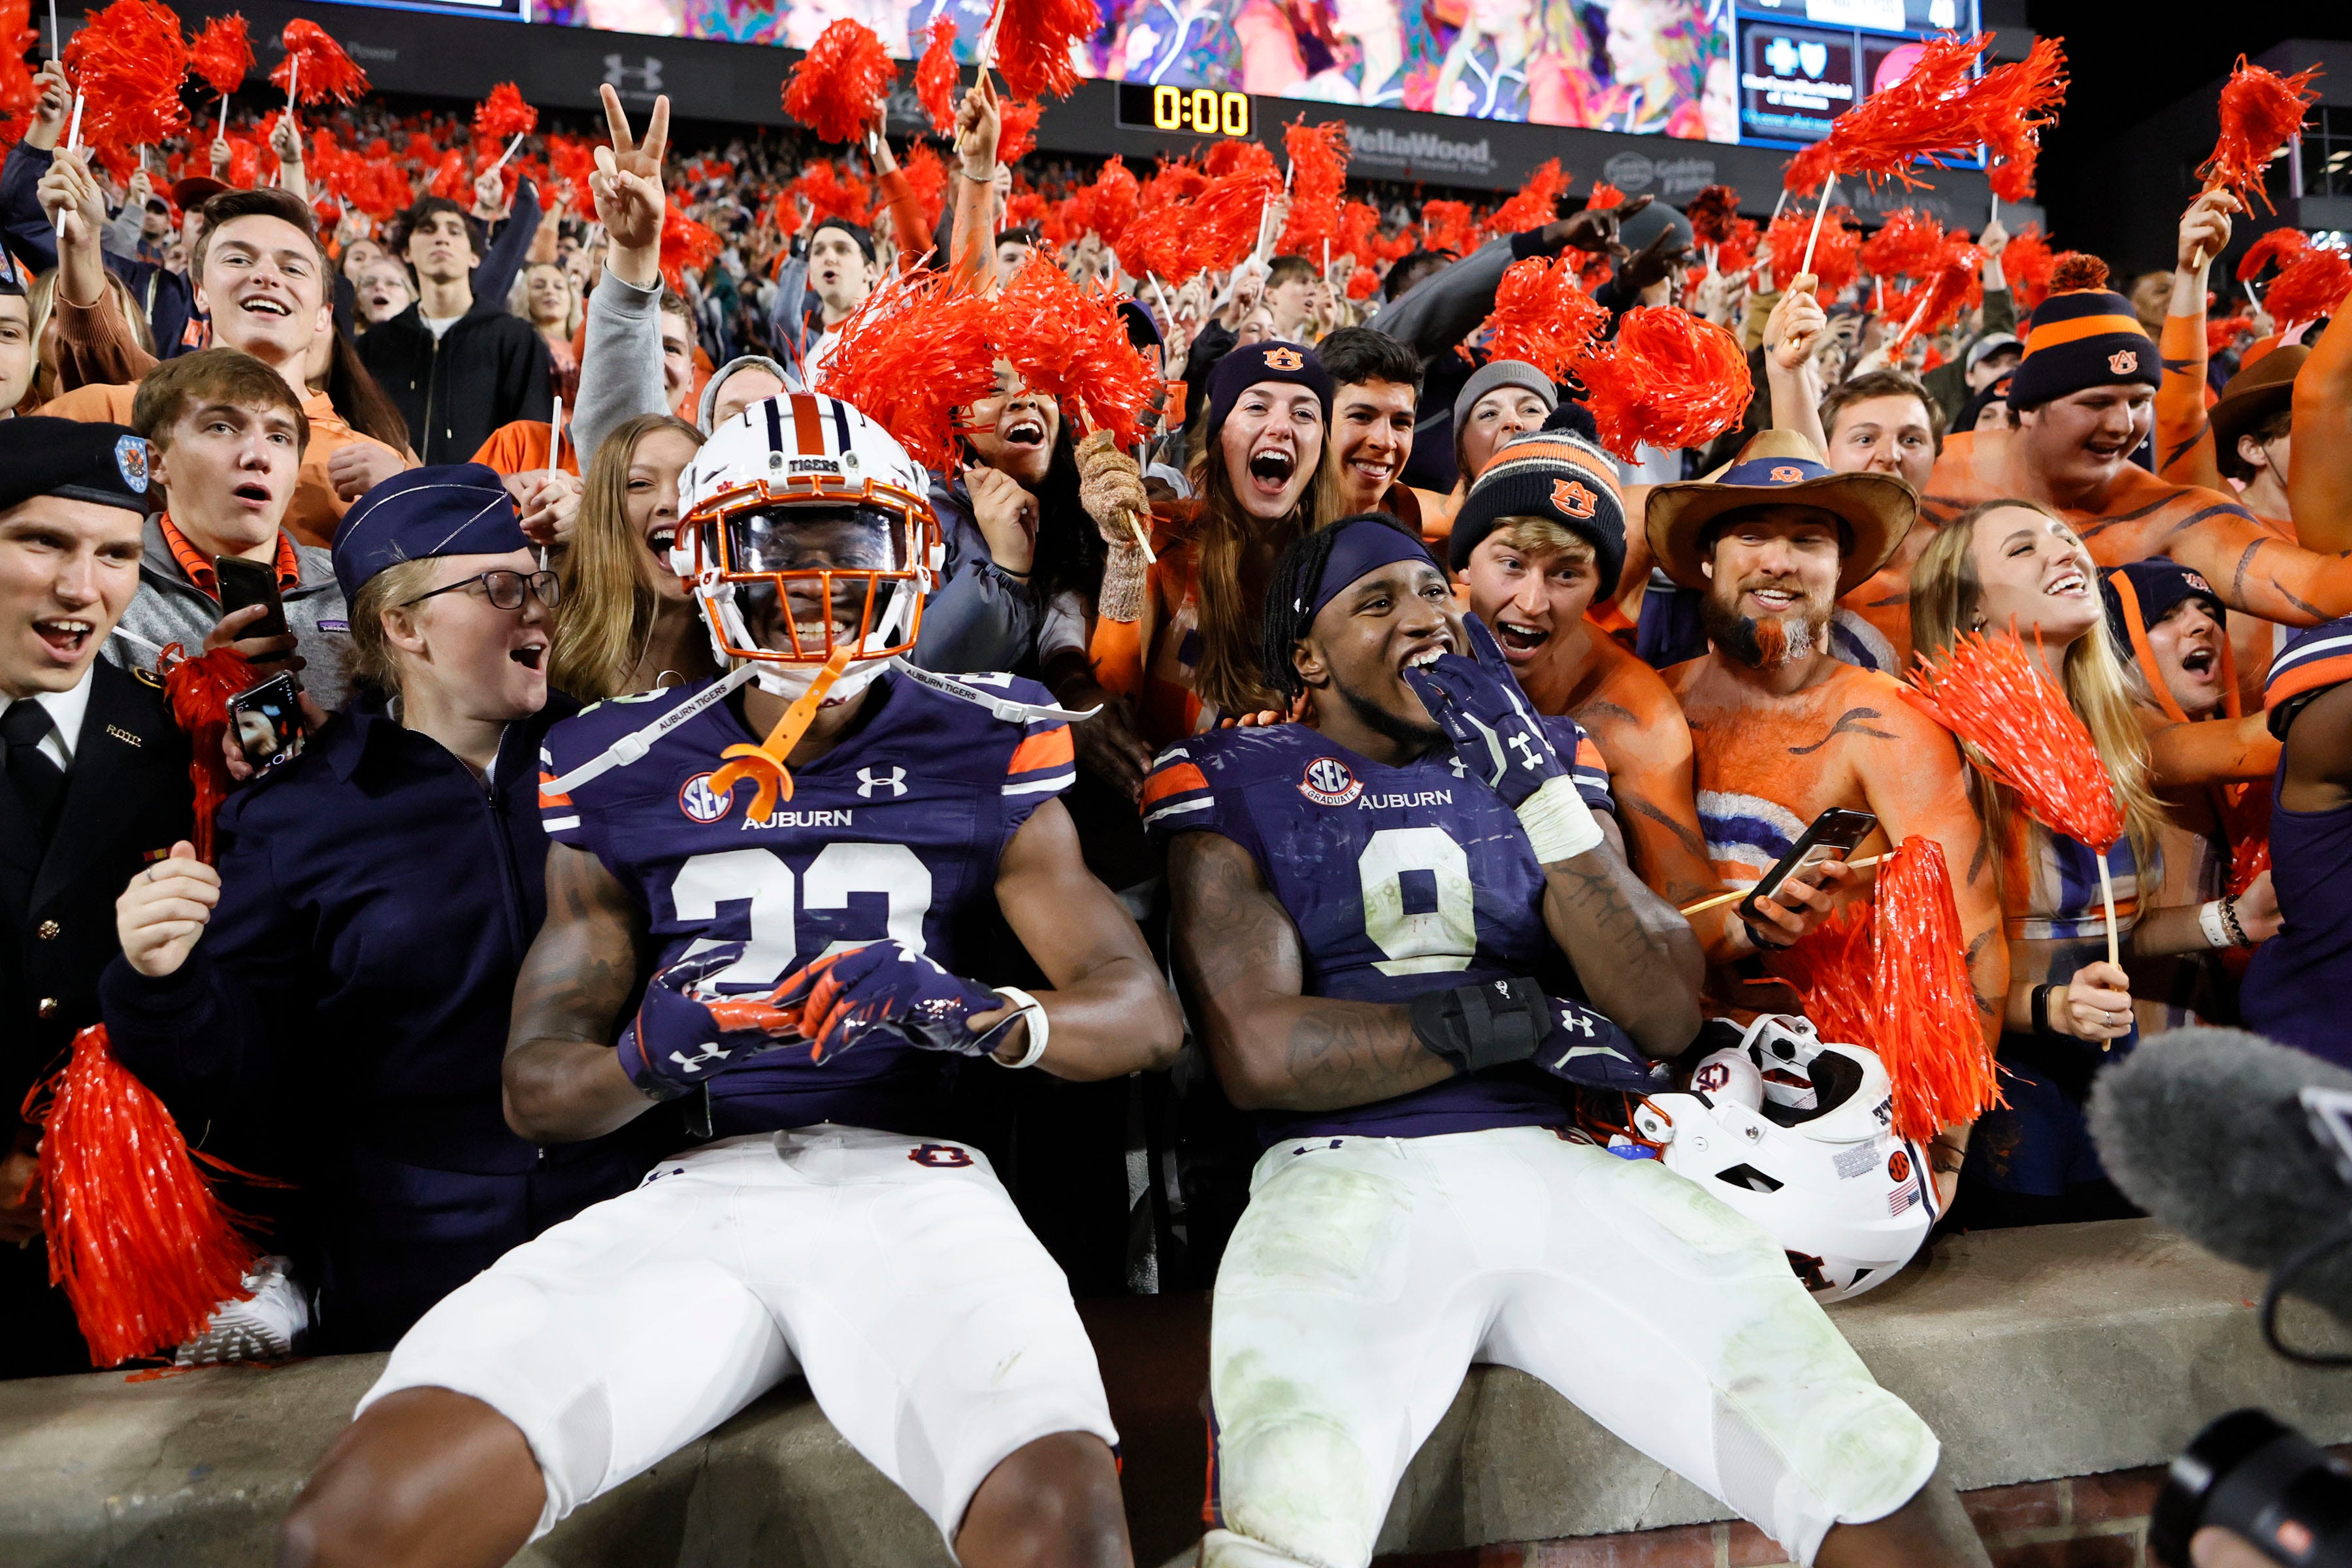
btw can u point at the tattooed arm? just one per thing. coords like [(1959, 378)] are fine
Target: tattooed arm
[(564, 1082), (1638, 958), (1236, 955)]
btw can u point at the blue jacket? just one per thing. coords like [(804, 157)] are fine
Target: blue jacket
[(344, 1015)]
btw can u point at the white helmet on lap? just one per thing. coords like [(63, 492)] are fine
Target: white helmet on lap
[(806, 524), (1849, 1200)]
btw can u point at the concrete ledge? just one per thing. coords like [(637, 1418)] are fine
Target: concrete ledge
[(2065, 1352)]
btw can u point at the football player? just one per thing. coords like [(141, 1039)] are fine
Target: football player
[(1408, 935), (798, 959)]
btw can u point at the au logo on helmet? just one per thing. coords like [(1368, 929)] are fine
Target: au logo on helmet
[(1572, 498), (2124, 362), (1284, 359)]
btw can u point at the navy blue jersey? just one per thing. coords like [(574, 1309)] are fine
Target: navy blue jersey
[(896, 832), (1401, 882)]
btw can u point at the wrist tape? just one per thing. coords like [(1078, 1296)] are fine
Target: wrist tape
[(1485, 1025), (1560, 826)]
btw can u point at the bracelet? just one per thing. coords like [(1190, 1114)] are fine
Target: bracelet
[(2210, 921), (1039, 1028), (987, 179), (2041, 1012), (2237, 937)]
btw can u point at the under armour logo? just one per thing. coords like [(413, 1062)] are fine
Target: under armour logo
[(1526, 749), (649, 76), (710, 1053), (1572, 498), (1455, 764), (1576, 1021), (868, 782), (2124, 362)]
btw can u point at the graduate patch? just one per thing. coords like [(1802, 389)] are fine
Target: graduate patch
[(1329, 782)]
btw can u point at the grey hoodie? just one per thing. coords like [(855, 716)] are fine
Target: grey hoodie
[(168, 608)]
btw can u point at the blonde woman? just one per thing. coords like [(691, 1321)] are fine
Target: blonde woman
[(544, 295), (2069, 1011), (627, 624)]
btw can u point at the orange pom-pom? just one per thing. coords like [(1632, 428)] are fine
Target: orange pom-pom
[(143, 1249), (832, 90), (2075, 272), (2012, 105), (501, 116), (1837, 254), (1925, 115), (2027, 264), (1955, 283), (917, 350), (1447, 226), (453, 180), (222, 53), (2280, 245), (1604, 196), (1906, 246), (1543, 316), (1109, 203), (1228, 213), (1318, 176), (18, 93), (1832, 971), (2259, 111), (1017, 131), (927, 177), (1738, 251), (686, 247), (2311, 286), (1669, 380), (830, 196), (1070, 344), (1711, 213), (1990, 694), (1033, 43), (129, 61), (935, 77), (2223, 332), (1928, 1033), (1536, 202), (316, 66), (198, 690)]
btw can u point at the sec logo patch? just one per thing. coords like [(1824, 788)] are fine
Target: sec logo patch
[(1329, 782), (1898, 1166), (695, 799)]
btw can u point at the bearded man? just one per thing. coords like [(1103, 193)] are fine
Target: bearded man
[(1782, 730)]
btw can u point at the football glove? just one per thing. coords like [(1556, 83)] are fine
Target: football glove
[(1501, 741), (838, 1000), (684, 1033), (1503, 1021)]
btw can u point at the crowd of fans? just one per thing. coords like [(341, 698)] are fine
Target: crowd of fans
[(1727, 623)]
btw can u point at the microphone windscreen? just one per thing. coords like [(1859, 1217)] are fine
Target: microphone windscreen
[(2201, 1128)]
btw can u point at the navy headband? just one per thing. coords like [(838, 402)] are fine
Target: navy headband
[(1363, 545)]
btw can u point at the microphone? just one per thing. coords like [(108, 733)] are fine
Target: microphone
[(2242, 1145)]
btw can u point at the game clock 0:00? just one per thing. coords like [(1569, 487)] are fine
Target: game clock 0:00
[(1199, 110)]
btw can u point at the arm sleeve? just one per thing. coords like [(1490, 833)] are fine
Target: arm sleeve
[(981, 620), (2184, 436), (1585, 764), (1439, 312), (216, 1033), (22, 223), (94, 345), (1042, 766), (1178, 797), (621, 370), (2000, 311), (2319, 470), (122, 234), (496, 275), (906, 218)]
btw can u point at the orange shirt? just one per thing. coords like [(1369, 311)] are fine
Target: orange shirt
[(1767, 765), (520, 447), (314, 513)]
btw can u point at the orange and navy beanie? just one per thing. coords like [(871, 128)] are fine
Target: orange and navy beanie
[(2080, 339)]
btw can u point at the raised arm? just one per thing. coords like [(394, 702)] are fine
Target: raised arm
[(2249, 567), (2184, 436), (2319, 469), (564, 1082), (1109, 1013), (2213, 751), (1236, 955)]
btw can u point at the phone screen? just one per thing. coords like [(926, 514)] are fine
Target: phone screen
[(1832, 837), (267, 719), (244, 583)]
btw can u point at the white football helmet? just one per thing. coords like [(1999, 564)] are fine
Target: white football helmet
[(1849, 1200), (806, 525)]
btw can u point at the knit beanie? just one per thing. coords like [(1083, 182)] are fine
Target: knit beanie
[(1495, 374), (1271, 361), (2083, 335), (1555, 476)]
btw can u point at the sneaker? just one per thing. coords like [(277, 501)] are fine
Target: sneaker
[(263, 1329)]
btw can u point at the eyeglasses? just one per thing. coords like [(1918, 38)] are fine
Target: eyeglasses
[(504, 589)]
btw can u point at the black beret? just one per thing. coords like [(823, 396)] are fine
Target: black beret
[(108, 463)]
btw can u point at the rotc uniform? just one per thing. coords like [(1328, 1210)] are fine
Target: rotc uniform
[(96, 785), (824, 1233), (1387, 1245)]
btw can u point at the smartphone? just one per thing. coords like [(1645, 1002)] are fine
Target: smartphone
[(267, 721), (1833, 836), (244, 583)]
